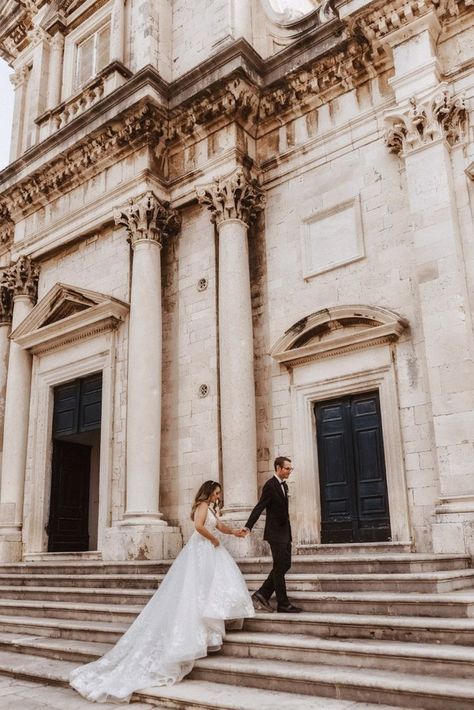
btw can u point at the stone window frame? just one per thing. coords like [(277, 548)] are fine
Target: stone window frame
[(90, 26), (366, 361)]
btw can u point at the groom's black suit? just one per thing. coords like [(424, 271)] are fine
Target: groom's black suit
[(274, 500)]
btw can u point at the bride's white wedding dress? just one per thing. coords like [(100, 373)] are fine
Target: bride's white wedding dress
[(182, 622)]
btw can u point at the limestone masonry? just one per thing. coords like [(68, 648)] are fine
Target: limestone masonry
[(230, 232)]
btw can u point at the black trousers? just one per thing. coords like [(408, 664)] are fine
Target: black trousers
[(275, 582)]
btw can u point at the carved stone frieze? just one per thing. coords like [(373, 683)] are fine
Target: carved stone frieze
[(438, 116), (233, 197), (148, 218), (143, 124), (235, 98), (23, 276)]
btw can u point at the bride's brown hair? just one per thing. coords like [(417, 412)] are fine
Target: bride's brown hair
[(203, 495)]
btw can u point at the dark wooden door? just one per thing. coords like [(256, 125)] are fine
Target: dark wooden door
[(68, 526), (354, 500)]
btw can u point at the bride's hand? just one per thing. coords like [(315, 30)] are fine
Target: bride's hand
[(215, 542)]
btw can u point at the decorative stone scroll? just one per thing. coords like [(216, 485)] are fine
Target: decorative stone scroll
[(232, 197), (438, 116), (148, 218)]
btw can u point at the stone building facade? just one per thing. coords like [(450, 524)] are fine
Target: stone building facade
[(228, 232)]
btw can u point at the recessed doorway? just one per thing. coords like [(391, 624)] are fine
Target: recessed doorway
[(352, 477), (74, 501)]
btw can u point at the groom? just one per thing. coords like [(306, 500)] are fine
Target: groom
[(277, 533)]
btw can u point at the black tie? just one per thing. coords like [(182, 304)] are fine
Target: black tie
[(285, 488)]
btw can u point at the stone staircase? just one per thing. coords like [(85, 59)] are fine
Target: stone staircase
[(379, 626)]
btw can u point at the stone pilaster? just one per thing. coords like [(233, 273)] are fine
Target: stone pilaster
[(20, 81), (117, 39), (143, 534), (6, 311), (234, 202), (427, 124), (21, 280)]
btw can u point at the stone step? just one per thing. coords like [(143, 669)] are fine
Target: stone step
[(358, 548), (434, 659), (406, 690), (121, 613), (332, 564), (187, 695), (87, 603), (334, 626), (438, 581), (404, 657), (367, 626)]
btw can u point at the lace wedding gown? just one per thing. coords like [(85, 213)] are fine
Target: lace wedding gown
[(182, 622)]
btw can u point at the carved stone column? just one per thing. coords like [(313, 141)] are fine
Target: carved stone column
[(428, 124), (234, 202), (148, 222), (55, 70), (23, 282), (6, 308)]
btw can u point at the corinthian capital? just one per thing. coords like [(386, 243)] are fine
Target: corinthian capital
[(438, 116), (23, 276), (232, 197), (148, 218), (6, 297)]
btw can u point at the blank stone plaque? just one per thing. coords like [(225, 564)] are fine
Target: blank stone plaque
[(332, 237)]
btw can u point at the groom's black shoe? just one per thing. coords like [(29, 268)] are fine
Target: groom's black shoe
[(259, 601), (288, 609)]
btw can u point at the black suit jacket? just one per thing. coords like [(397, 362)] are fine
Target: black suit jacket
[(275, 503)]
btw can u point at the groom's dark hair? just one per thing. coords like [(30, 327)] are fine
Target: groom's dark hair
[(279, 461)]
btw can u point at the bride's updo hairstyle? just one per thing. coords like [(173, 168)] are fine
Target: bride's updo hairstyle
[(203, 495)]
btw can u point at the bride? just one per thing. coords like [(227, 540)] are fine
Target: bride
[(184, 619)]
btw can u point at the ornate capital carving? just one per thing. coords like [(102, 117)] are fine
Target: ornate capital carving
[(23, 276), (6, 298), (57, 42), (439, 116), (148, 218), (20, 76), (232, 197)]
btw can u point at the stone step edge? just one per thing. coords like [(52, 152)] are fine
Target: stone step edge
[(356, 620), (202, 695), (464, 596), (382, 648), (382, 557), (459, 688)]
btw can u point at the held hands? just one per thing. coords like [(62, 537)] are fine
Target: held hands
[(241, 533)]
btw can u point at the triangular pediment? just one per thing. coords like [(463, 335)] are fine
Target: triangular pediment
[(64, 312)]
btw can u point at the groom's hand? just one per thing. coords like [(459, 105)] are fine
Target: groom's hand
[(243, 532)]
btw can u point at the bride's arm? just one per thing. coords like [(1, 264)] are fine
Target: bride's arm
[(199, 520), (227, 530)]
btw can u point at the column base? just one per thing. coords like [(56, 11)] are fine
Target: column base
[(453, 529), (11, 546), (148, 541), (251, 546)]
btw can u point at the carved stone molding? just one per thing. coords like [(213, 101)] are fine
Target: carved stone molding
[(235, 97), (232, 197), (439, 116), (23, 276), (20, 76), (141, 125), (148, 218)]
